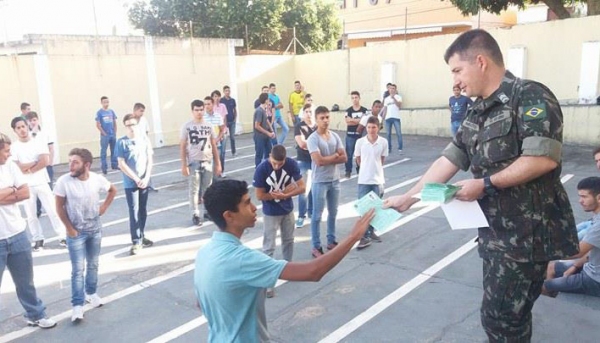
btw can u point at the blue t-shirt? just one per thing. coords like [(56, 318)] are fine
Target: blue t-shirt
[(231, 105), (459, 106), (135, 153), (275, 99), (107, 118), (271, 180), (227, 279)]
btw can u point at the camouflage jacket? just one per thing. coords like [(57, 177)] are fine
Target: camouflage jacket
[(532, 221)]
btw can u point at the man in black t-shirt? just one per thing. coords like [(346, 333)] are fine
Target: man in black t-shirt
[(353, 115)]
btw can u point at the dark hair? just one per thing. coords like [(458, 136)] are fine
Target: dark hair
[(308, 95), (596, 151), (306, 106), (320, 110), (272, 85), (215, 92), (296, 81), (4, 139), (31, 115), (472, 43), (197, 103), (389, 84), (15, 120), (129, 116), (85, 154), (263, 97), (263, 87), (376, 102), (138, 105), (394, 85), (103, 97), (591, 184), (355, 93), (226, 87), (221, 196), (373, 120), (208, 99), (24, 105), (278, 152)]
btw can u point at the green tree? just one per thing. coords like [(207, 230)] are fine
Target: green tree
[(495, 6), (269, 22)]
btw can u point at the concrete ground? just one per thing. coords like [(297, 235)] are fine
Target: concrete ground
[(422, 284)]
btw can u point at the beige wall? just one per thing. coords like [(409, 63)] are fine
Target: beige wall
[(17, 85)]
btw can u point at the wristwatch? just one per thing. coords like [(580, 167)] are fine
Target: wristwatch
[(488, 187)]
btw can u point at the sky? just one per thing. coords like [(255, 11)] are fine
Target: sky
[(20, 17)]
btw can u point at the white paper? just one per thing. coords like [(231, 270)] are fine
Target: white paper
[(464, 214)]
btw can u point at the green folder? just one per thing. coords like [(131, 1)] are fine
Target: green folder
[(438, 192)]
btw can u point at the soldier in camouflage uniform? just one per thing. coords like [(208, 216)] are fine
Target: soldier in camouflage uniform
[(511, 139)]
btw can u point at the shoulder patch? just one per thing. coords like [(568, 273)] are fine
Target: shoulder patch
[(535, 112)]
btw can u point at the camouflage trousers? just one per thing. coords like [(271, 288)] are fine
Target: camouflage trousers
[(509, 292)]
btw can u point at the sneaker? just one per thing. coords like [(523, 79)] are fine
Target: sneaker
[(94, 300), (330, 246), (77, 314), (375, 237), (39, 245), (44, 323), (147, 243), (364, 242), (104, 172), (62, 242), (400, 152), (135, 249), (317, 252), (270, 292), (196, 220), (347, 175), (299, 223)]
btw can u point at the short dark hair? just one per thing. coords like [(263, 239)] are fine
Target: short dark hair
[(226, 87), (272, 85), (31, 115), (596, 151), (221, 196), (472, 43), (197, 103), (389, 84), (208, 99), (85, 154), (24, 105), (373, 120), (263, 87), (591, 184), (263, 97), (308, 95), (103, 97), (278, 152), (296, 81), (138, 105), (306, 106), (321, 110), (394, 85), (129, 116), (376, 102), (355, 93), (215, 92), (15, 120), (4, 139)]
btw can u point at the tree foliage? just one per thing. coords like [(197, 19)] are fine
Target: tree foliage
[(269, 23), (496, 6)]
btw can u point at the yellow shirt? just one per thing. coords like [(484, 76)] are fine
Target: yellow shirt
[(297, 101)]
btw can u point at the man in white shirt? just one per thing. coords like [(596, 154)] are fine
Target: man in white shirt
[(32, 157), (391, 112)]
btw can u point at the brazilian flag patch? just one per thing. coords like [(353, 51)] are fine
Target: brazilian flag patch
[(535, 112)]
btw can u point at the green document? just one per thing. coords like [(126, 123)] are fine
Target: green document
[(438, 192), (384, 218)]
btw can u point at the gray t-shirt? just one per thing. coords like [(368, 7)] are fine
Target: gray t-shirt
[(197, 135), (82, 200), (327, 148), (260, 116), (592, 236)]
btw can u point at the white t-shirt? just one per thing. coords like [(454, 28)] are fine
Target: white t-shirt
[(11, 222), (392, 110), (27, 152), (81, 199), (143, 126), (371, 168)]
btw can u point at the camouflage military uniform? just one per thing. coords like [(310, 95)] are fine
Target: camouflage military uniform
[(530, 224)]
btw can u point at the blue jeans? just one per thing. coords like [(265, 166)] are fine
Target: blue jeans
[(574, 283), (395, 122), (84, 248), (324, 192), (262, 147), (15, 253), (137, 199), (305, 171), (350, 144), (284, 129), (454, 125), (106, 142), (222, 149), (364, 190), (231, 127)]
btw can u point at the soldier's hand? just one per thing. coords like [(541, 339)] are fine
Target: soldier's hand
[(471, 189), (361, 226), (400, 203)]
